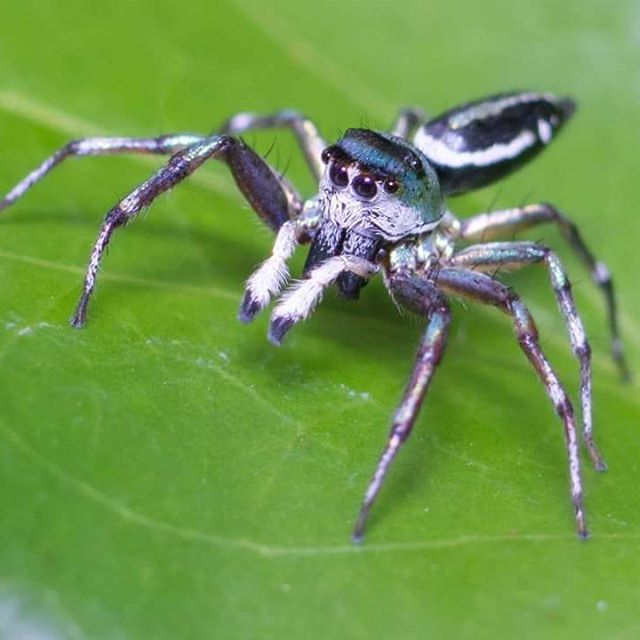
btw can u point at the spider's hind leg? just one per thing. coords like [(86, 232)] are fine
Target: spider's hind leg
[(516, 255), (503, 223), (272, 199), (485, 290)]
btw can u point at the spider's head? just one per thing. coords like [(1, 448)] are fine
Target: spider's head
[(376, 189)]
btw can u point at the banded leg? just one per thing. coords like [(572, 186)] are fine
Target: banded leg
[(516, 255), (254, 177), (299, 302), (406, 122), (484, 289), (98, 146), (502, 223), (306, 132), (423, 297)]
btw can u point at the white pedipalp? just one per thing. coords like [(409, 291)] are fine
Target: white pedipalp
[(272, 275), (301, 299)]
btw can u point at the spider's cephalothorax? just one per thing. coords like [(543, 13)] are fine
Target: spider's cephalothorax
[(376, 190), (381, 206)]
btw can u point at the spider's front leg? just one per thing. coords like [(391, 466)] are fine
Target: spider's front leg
[(421, 296), (272, 199), (516, 255), (306, 132), (480, 287), (101, 146), (504, 223)]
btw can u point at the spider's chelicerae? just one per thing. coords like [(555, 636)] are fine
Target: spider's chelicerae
[(381, 207)]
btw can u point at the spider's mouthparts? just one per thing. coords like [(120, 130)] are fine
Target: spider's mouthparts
[(332, 240)]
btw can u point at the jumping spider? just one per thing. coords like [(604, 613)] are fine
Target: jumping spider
[(381, 207)]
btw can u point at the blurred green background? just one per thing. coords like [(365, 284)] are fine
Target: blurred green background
[(166, 473)]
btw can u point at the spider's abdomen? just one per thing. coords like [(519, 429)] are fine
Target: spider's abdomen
[(480, 142)]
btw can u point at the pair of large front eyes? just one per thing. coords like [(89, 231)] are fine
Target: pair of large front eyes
[(364, 185)]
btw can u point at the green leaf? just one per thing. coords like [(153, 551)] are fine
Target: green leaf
[(167, 473)]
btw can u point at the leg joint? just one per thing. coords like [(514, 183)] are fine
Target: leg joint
[(602, 274)]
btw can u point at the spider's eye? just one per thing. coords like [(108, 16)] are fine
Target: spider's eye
[(365, 186), (339, 175), (414, 163), (326, 155), (390, 185)]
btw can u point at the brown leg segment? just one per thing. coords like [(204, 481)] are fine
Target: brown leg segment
[(255, 179)]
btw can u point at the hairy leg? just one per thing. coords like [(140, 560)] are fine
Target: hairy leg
[(306, 132), (421, 296), (99, 146), (254, 177), (484, 289), (516, 255), (496, 224), (299, 302)]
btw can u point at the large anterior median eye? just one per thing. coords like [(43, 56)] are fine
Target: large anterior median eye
[(365, 186), (339, 175)]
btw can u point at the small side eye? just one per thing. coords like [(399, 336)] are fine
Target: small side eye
[(390, 185), (365, 186), (326, 155), (414, 163), (339, 175)]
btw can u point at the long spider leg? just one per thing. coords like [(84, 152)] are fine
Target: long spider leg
[(422, 296), (502, 223), (484, 289), (407, 121), (254, 177), (98, 146), (513, 255), (299, 302), (306, 132)]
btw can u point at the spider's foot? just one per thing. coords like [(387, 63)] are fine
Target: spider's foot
[(581, 522), (596, 457), (278, 328), (249, 308), (79, 318), (600, 465), (598, 461), (77, 322), (357, 538)]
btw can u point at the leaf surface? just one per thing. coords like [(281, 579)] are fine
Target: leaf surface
[(167, 473)]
